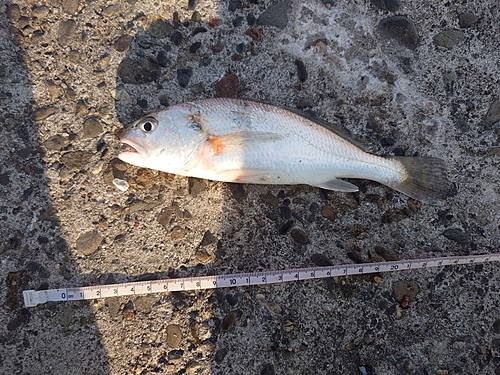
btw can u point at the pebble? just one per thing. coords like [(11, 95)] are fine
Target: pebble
[(238, 21), (128, 311), (88, 242), (113, 304), (43, 113), (456, 234), (401, 29), (227, 87), (405, 288), (203, 256), (288, 326), (122, 44), (327, 212), (237, 191), (299, 236), (391, 5), (174, 336), (467, 19), (176, 38), (208, 239), (178, 233), (234, 5), (142, 70), (448, 38), (369, 337), (301, 70), (70, 6), (496, 326), (184, 76), (160, 29), (254, 33), (112, 10), (75, 159), (196, 16), (196, 186), (13, 12), (321, 260), (405, 366), (232, 299), (120, 184), (270, 199), (66, 32), (276, 15), (55, 143), (217, 47), (40, 11), (66, 317), (92, 128), (194, 47), (228, 322), (143, 304), (493, 115)]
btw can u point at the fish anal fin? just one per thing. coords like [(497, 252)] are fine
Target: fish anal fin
[(337, 185)]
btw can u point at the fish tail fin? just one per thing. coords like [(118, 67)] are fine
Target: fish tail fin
[(426, 179)]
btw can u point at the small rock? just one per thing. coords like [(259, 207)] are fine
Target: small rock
[(405, 288), (43, 113), (369, 337), (456, 234), (113, 304), (327, 212), (227, 87), (238, 21), (229, 321), (232, 299), (178, 233), (321, 260), (400, 29), (288, 326), (112, 10), (276, 15), (202, 256), (391, 5), (196, 186), (194, 47), (139, 71), (120, 184), (66, 317), (13, 281), (128, 311), (184, 76), (162, 59), (220, 355), (481, 349), (414, 205), (88, 242), (270, 199), (66, 32), (192, 4), (254, 33), (40, 11), (496, 326), (493, 115), (285, 227), (81, 109), (143, 304), (70, 6), (55, 143), (467, 19), (217, 47), (234, 5), (165, 216), (405, 366), (13, 12), (301, 70), (299, 236), (196, 16), (176, 38), (75, 159), (160, 29), (174, 336), (237, 191), (92, 128), (448, 38), (208, 239), (122, 44)]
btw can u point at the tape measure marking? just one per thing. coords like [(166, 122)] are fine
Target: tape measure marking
[(36, 297)]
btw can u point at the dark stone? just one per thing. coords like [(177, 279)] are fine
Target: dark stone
[(234, 5), (321, 260), (160, 29), (198, 30), (92, 128), (301, 70), (75, 159), (285, 227), (122, 44), (299, 236), (456, 234), (496, 326), (139, 71), (23, 317), (143, 103), (229, 321), (493, 115), (285, 212), (467, 19), (66, 32), (388, 141), (276, 15), (220, 355), (238, 21), (175, 354), (192, 4), (227, 87), (162, 59), (176, 38), (196, 186), (194, 47), (237, 191), (43, 240), (208, 239), (184, 76), (448, 38), (391, 5), (251, 20), (232, 299), (240, 48), (400, 29)]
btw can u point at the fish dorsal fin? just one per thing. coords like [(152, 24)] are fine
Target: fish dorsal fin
[(340, 131)]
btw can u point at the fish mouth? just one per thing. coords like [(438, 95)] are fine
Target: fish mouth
[(130, 148)]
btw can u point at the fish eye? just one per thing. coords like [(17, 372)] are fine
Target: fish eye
[(148, 125)]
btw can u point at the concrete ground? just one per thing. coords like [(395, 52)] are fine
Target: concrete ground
[(408, 78)]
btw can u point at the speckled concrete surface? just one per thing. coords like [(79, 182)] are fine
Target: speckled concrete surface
[(413, 79)]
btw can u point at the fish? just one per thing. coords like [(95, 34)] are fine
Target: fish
[(245, 141)]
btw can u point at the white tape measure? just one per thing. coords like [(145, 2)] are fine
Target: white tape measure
[(36, 297)]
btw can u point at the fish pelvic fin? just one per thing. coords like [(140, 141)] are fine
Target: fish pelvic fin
[(425, 179)]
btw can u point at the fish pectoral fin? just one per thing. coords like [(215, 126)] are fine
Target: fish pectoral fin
[(337, 185), (228, 142)]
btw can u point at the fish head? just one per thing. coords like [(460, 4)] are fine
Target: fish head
[(167, 140)]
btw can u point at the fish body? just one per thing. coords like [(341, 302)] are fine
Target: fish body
[(244, 141)]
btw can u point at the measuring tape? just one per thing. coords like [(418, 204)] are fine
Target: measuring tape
[(35, 297)]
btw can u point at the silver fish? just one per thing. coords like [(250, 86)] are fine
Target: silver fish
[(250, 142)]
